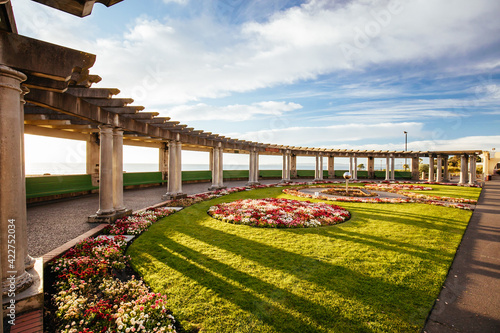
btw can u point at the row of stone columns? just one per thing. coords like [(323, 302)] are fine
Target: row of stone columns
[(111, 205), (318, 170), (290, 168), (467, 169)]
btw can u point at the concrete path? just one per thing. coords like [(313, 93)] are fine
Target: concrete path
[(470, 299), (50, 225)]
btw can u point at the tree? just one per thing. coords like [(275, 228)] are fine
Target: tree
[(406, 166), (454, 161), (361, 166)]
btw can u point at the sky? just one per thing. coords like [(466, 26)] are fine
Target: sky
[(318, 73)]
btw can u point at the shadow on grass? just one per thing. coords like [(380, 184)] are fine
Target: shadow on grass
[(354, 287), (264, 300), (394, 306)]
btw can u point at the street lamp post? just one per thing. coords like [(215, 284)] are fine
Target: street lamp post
[(406, 147)]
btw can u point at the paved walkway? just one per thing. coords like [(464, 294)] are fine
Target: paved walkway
[(50, 225), (470, 299)]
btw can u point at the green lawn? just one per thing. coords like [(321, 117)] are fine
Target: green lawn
[(452, 191), (379, 272)]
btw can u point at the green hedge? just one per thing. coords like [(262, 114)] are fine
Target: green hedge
[(139, 178), (196, 175), (54, 185)]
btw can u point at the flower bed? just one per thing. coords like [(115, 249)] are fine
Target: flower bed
[(419, 197), (353, 192), (460, 203), (137, 223), (279, 213), (89, 295), (295, 191), (397, 187)]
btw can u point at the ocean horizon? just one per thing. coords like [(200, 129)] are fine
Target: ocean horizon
[(36, 169)]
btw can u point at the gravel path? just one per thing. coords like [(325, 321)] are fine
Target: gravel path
[(52, 224)]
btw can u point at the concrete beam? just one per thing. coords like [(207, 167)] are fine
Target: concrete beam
[(36, 58), (80, 8)]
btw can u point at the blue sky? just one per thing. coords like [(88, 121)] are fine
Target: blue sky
[(337, 74)]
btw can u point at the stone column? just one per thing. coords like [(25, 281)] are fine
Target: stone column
[(163, 167), (106, 171), (351, 170), (387, 168), (178, 167), (318, 170), (93, 158), (431, 168), (321, 167), (217, 168), (214, 154), (221, 168), (446, 174), (414, 168), (371, 167), (463, 169), (355, 168), (472, 169), (172, 171), (331, 167), (293, 166), (251, 167), (13, 221), (29, 261), (253, 172), (256, 167), (118, 205), (439, 172), (393, 167), (486, 164), (284, 169), (211, 159)]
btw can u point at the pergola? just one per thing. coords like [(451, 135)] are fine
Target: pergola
[(46, 89)]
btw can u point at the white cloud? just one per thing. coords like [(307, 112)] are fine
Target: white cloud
[(335, 134), (173, 62), (463, 143), (180, 2), (236, 112)]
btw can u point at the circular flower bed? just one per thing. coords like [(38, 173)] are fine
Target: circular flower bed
[(279, 213)]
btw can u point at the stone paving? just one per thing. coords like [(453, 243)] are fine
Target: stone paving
[(52, 224)]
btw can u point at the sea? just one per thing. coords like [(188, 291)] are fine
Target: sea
[(37, 169)]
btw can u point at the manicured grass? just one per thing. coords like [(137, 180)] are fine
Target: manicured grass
[(379, 272), (452, 191)]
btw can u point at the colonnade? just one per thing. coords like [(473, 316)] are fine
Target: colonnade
[(467, 169), (111, 205)]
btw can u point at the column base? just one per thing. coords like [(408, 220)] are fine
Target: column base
[(96, 218), (285, 181), (29, 299), (172, 196), (17, 285), (253, 183), (29, 262), (215, 187)]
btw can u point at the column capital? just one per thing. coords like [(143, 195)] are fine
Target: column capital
[(107, 129), (9, 73)]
